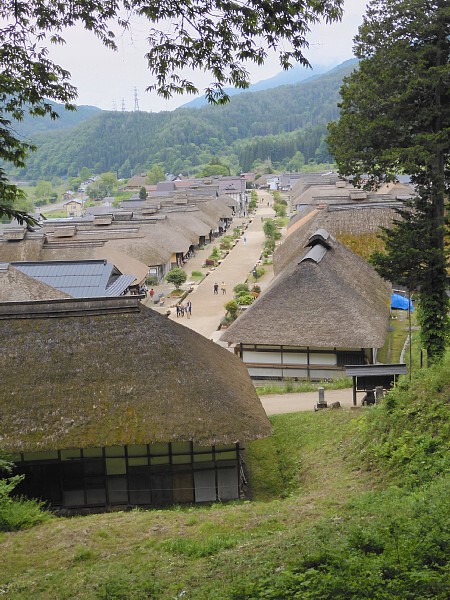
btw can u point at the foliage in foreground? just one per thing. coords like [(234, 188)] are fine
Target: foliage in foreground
[(17, 513)]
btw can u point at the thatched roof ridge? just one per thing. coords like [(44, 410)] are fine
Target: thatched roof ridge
[(338, 301), (124, 376)]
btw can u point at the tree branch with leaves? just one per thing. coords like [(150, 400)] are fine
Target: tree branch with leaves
[(216, 36)]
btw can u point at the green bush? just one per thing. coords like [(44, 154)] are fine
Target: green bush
[(232, 308), (17, 513), (197, 275), (240, 287), (245, 299), (151, 280), (225, 244)]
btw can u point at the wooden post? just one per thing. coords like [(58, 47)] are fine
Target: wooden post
[(354, 390)]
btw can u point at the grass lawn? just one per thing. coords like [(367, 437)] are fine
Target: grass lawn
[(301, 477)]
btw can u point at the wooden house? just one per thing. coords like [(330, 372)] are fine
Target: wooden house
[(107, 404), (73, 208), (326, 309)]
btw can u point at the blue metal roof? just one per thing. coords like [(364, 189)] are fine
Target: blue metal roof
[(79, 279)]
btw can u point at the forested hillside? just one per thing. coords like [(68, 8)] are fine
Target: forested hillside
[(31, 126), (275, 124)]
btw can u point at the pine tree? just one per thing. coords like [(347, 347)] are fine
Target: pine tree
[(395, 117)]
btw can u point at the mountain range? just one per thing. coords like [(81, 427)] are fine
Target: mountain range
[(274, 123)]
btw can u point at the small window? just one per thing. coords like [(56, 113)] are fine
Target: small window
[(115, 466), (137, 450), (115, 451), (159, 449), (92, 452), (50, 455), (159, 460), (70, 454), (181, 447), (202, 457)]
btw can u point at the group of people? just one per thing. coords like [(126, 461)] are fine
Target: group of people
[(223, 287), (185, 308)]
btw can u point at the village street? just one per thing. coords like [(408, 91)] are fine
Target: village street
[(208, 308)]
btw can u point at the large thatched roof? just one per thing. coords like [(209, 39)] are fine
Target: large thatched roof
[(101, 372), (327, 297)]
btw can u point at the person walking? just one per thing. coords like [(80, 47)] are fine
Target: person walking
[(151, 293), (188, 309), (223, 287), (216, 288)]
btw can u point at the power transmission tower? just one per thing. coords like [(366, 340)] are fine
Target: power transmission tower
[(114, 105), (123, 104), (136, 100)]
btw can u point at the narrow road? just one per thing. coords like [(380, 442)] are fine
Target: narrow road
[(207, 307)]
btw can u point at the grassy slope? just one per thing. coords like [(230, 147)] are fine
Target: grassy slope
[(347, 505), (300, 476)]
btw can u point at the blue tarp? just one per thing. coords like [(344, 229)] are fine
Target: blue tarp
[(399, 301)]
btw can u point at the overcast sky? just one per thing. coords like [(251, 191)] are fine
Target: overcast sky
[(108, 79)]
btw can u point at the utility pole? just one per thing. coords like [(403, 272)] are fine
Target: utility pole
[(136, 100)]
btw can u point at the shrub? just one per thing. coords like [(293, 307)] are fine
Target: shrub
[(280, 210), (151, 280), (17, 513), (196, 274), (245, 299), (240, 287), (176, 276), (232, 308), (225, 244)]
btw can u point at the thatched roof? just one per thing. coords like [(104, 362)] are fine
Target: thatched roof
[(355, 221), (27, 249), (16, 286), (84, 373), (196, 222), (325, 298)]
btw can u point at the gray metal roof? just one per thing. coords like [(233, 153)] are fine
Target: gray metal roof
[(79, 279), (369, 370), (316, 254), (117, 287)]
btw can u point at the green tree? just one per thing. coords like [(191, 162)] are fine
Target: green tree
[(156, 174), (105, 185), (176, 276), (271, 230), (43, 190), (395, 117), (213, 36), (85, 173), (142, 193)]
